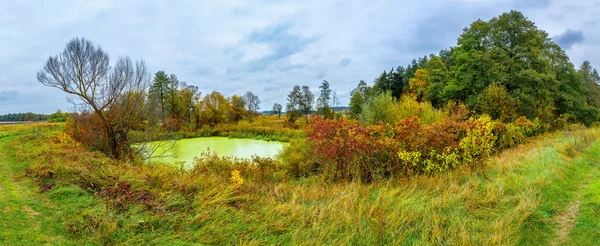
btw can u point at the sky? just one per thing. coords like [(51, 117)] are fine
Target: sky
[(262, 46)]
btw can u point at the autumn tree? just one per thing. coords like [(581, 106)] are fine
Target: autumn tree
[(189, 97), (237, 110), (114, 95), (418, 84), (213, 109)]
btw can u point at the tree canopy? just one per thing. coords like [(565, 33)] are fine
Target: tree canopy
[(506, 58)]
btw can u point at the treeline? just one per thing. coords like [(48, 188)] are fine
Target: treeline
[(23, 117), (58, 116), (505, 81), (505, 67), (177, 105)]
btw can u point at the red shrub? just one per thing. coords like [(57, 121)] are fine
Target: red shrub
[(349, 150)]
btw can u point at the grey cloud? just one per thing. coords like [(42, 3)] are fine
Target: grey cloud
[(276, 87), (320, 75), (263, 46), (570, 8), (569, 38), (345, 62), (556, 17), (281, 40), (203, 71), (8, 95), (288, 67)]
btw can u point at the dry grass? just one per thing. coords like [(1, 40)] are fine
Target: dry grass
[(510, 201)]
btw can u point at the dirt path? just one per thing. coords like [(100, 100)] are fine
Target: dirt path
[(25, 215), (566, 220)]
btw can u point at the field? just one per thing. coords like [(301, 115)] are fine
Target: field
[(546, 191)]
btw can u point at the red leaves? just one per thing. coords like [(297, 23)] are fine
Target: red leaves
[(351, 150), (121, 195)]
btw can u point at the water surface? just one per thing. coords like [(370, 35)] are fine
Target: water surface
[(186, 149)]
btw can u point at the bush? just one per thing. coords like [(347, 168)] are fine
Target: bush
[(348, 150), (86, 129), (297, 159), (409, 106), (479, 141), (58, 116), (384, 108), (563, 121), (380, 108), (509, 135)]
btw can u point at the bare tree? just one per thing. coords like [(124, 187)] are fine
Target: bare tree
[(115, 95), (252, 102)]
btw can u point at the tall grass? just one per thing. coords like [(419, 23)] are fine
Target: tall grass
[(511, 200)]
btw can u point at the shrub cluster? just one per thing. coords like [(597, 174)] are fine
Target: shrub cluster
[(347, 150), (384, 107)]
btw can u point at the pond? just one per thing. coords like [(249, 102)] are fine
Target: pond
[(186, 149)]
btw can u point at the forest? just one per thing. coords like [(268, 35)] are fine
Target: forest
[(489, 141)]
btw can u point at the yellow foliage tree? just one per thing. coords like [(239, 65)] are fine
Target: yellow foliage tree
[(418, 84)]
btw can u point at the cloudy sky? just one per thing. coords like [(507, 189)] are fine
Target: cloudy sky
[(259, 45)]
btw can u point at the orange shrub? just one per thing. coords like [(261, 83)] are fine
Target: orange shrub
[(349, 150)]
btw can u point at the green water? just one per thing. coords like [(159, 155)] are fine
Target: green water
[(186, 149)]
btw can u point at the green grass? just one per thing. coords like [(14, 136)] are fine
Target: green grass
[(26, 217), (514, 200), (587, 226)]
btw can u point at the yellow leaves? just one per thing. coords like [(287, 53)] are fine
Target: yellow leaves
[(479, 141), (448, 159), (410, 157), (236, 178), (418, 83), (66, 139)]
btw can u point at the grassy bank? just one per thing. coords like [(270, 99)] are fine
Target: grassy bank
[(264, 127), (26, 216), (517, 198)]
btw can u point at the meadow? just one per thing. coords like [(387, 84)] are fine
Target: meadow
[(544, 191)]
